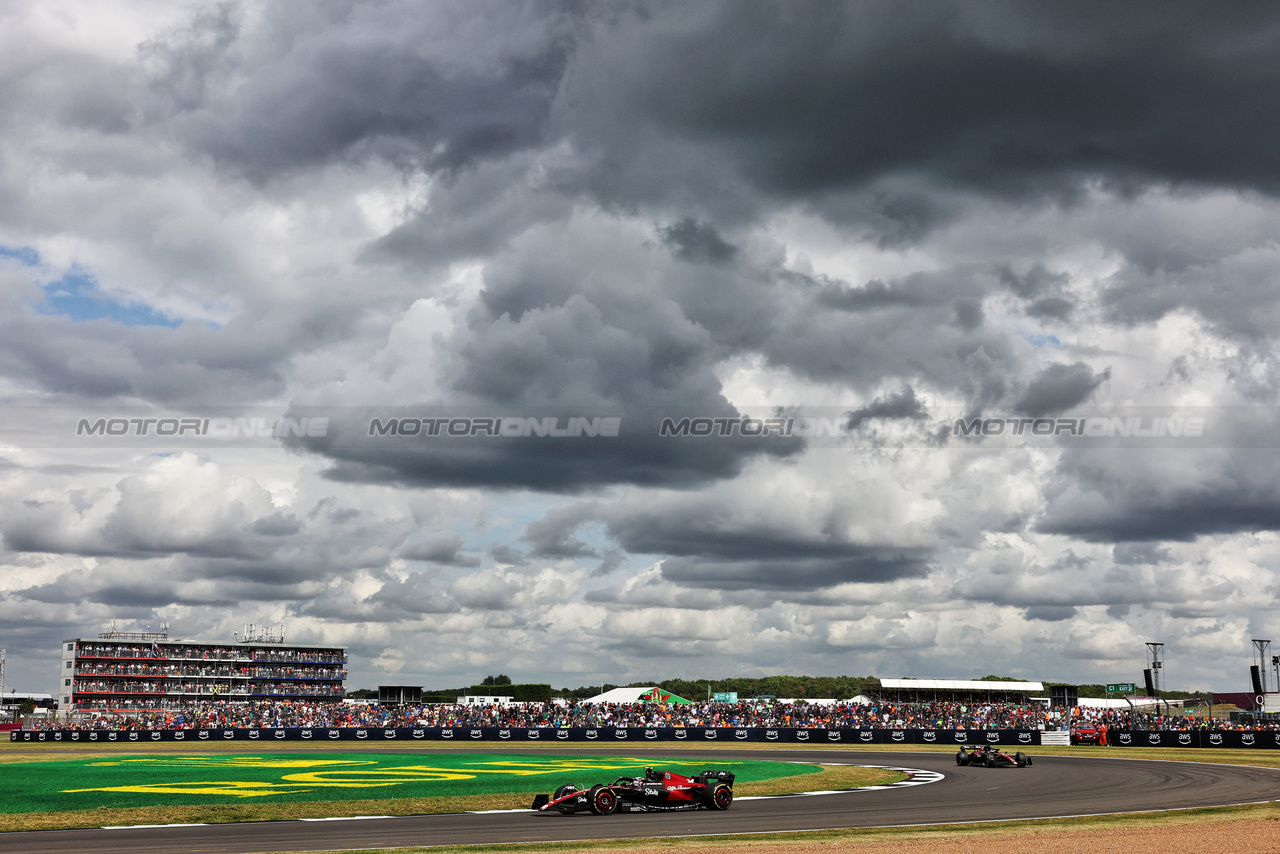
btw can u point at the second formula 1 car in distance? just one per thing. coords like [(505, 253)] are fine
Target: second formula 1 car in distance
[(988, 757), (656, 791)]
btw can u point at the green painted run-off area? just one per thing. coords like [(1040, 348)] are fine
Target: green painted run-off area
[(162, 780)]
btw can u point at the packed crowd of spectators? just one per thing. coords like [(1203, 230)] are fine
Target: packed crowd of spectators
[(880, 713)]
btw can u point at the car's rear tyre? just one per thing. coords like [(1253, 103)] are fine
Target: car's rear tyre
[(962, 758), (719, 796), (568, 807), (603, 800), (1021, 759)]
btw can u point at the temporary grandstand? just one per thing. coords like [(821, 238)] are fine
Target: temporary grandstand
[(958, 690), (650, 694)]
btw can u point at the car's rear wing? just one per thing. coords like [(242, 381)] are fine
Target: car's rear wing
[(720, 776)]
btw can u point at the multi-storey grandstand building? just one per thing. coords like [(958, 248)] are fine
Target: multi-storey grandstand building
[(132, 669)]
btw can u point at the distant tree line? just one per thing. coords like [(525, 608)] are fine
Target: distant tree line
[(799, 687)]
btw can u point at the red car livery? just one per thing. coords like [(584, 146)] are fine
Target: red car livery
[(656, 791), (986, 756)]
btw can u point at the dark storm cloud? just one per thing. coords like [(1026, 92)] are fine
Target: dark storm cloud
[(806, 97), (566, 465), (440, 86), (695, 241), (904, 404), (1059, 387), (845, 565), (555, 336), (707, 547), (551, 326), (1148, 497)]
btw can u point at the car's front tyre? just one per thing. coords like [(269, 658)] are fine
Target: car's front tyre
[(603, 800), (962, 758)]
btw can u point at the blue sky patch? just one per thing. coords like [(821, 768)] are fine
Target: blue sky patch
[(76, 295), (1043, 341)]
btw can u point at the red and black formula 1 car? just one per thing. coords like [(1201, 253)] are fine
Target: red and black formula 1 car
[(656, 791), (988, 757)]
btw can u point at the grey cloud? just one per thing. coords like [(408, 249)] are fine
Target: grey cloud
[(904, 404), (691, 240), (1235, 290), (1139, 553), (1059, 387), (442, 548), (1033, 283), (1005, 98), (705, 546), (420, 593), (1051, 308), (278, 524), (611, 560), (1127, 497), (969, 314), (1050, 613), (552, 535), (505, 554), (302, 88), (535, 348), (849, 564)]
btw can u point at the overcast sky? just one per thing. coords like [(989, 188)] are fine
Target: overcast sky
[(890, 216)]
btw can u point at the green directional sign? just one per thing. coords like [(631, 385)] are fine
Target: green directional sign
[(726, 697), (1121, 688)]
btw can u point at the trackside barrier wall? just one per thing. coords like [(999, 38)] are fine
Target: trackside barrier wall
[(611, 735)]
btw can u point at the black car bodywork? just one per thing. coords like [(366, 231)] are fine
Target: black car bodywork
[(987, 756), (656, 791)]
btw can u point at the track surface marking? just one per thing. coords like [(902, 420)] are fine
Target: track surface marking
[(1055, 786)]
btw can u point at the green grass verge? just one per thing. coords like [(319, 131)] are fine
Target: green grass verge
[(204, 778), (164, 786)]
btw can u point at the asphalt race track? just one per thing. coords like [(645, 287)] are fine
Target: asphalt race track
[(1053, 786)]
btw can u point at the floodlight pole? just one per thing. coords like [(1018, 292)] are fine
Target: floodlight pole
[(1157, 667), (1157, 664), (1262, 647)]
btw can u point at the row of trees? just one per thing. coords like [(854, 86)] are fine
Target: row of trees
[(800, 687)]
